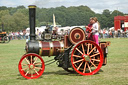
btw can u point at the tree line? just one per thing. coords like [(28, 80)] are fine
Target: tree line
[(17, 18)]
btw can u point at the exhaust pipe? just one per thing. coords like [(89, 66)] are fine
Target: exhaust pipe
[(32, 14), (3, 27)]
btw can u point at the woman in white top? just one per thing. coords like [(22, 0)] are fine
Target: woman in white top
[(95, 30)]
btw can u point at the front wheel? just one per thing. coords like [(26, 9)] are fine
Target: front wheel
[(31, 66), (6, 39), (86, 57)]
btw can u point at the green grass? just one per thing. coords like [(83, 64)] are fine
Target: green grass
[(114, 73)]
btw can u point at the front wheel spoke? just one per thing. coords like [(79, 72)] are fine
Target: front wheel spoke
[(36, 71), (80, 65), (38, 68), (95, 55), (77, 56), (91, 51), (27, 61), (84, 67), (93, 64), (24, 64), (96, 60), (24, 69), (26, 73), (38, 63), (89, 67), (31, 59), (78, 61), (31, 74), (35, 60), (79, 51)]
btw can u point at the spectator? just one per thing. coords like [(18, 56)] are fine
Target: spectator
[(88, 29), (27, 36), (95, 30)]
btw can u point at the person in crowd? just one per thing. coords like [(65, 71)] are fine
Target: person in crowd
[(37, 34), (21, 35), (95, 29), (27, 36), (113, 32), (101, 34), (104, 31), (110, 33), (88, 30), (24, 33)]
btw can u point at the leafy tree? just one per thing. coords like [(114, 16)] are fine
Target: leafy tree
[(3, 8), (106, 12), (4, 12), (16, 18), (116, 13), (8, 22), (20, 7), (22, 21)]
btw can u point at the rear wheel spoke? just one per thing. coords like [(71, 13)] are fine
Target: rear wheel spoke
[(95, 55), (85, 67), (79, 51), (96, 60), (91, 51), (88, 48), (93, 64), (80, 65), (89, 67), (77, 56), (78, 61), (83, 48)]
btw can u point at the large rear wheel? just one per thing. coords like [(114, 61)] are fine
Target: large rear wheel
[(86, 57)]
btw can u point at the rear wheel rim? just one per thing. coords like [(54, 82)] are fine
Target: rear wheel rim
[(86, 58), (31, 66)]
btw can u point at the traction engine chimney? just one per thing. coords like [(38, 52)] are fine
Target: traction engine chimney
[(32, 9), (3, 27)]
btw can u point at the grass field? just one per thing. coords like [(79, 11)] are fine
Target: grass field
[(114, 73)]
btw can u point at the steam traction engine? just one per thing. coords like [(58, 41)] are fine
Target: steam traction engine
[(73, 52), (3, 35)]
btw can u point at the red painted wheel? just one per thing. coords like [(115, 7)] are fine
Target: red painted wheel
[(86, 57), (31, 66)]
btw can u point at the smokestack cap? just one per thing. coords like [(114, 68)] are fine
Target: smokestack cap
[(32, 6)]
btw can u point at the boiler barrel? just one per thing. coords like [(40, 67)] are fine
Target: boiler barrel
[(44, 48), (50, 48)]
